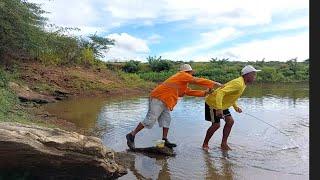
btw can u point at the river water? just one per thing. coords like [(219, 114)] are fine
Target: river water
[(269, 140)]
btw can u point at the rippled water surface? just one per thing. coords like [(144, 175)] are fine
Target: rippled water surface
[(260, 151)]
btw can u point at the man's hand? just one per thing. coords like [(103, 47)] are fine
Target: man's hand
[(237, 109), (219, 113), (219, 84), (208, 91)]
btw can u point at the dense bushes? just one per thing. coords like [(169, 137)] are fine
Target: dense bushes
[(272, 71), (158, 64), (8, 99), (224, 70), (156, 76), (131, 66), (21, 27)]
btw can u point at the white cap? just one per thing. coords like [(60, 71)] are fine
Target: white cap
[(247, 69), (185, 67)]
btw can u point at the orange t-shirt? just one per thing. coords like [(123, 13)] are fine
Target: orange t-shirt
[(177, 86)]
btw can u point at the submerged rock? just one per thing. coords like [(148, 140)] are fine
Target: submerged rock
[(155, 151), (55, 153)]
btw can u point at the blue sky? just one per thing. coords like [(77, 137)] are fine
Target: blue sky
[(245, 30)]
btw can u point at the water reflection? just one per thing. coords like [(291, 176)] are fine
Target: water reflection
[(213, 172), (129, 161), (144, 167), (286, 90), (164, 173)]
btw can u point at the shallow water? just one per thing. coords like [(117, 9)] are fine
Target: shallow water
[(260, 151)]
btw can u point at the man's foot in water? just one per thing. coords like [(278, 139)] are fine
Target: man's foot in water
[(168, 143), (130, 140), (224, 146), (205, 147)]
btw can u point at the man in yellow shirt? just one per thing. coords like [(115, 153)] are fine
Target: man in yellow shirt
[(218, 102)]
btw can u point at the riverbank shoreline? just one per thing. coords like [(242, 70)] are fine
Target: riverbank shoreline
[(27, 87), (34, 84)]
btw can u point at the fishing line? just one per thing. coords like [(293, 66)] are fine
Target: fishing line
[(293, 142), (266, 123)]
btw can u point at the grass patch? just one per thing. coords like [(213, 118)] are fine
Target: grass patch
[(133, 80), (83, 84), (44, 87), (11, 110), (7, 99), (156, 76)]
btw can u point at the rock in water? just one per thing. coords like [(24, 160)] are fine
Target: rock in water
[(55, 153), (155, 151)]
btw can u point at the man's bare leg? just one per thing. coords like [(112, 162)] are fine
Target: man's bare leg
[(164, 137), (209, 134), (137, 129), (226, 132), (130, 136), (165, 132)]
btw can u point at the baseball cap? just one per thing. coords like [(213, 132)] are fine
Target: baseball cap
[(247, 69), (185, 67)]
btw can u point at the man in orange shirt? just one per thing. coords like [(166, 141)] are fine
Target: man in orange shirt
[(165, 96)]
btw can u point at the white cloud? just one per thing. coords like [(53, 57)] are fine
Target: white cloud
[(301, 22), (100, 16), (113, 13), (137, 9), (203, 12), (207, 40), (208, 12), (279, 48), (127, 47), (154, 39), (86, 30), (70, 13)]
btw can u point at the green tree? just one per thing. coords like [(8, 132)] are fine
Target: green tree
[(98, 44), (131, 66), (25, 34), (220, 62), (293, 66), (158, 64), (21, 28)]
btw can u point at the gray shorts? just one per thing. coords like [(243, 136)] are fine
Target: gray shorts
[(157, 111)]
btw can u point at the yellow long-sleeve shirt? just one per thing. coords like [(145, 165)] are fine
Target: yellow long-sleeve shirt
[(224, 97)]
